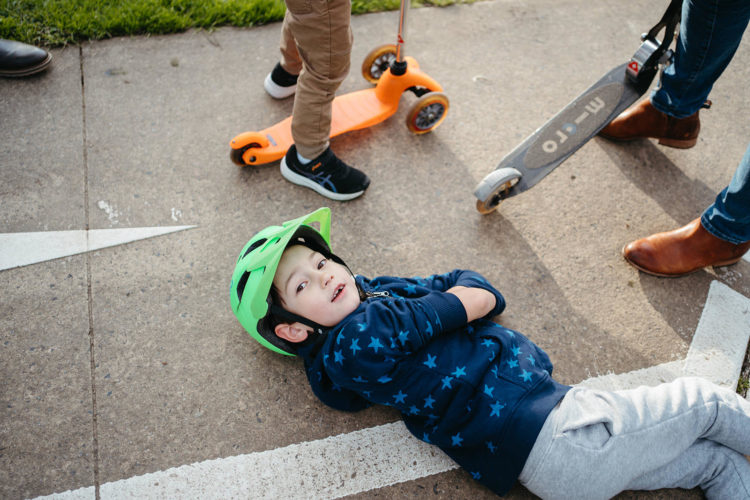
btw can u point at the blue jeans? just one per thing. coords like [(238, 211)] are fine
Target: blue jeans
[(729, 216), (710, 32)]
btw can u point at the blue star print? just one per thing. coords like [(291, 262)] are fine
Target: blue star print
[(355, 346), (428, 402), (339, 357), (491, 447), (403, 336), (512, 363), (526, 376), (459, 372), (413, 410), (400, 397), (339, 338), (487, 343), (476, 475), (447, 382), (428, 328), (360, 380), (516, 351), (411, 289), (531, 360), (456, 440), (496, 407), (375, 344), (488, 390), (384, 379), (430, 363), (426, 438), (362, 326)]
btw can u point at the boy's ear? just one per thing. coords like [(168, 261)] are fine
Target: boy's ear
[(295, 332)]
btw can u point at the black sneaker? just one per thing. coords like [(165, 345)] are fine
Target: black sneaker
[(326, 174), (280, 84)]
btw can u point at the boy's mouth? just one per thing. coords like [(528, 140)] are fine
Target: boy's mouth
[(337, 292)]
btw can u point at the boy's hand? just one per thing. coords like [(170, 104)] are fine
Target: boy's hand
[(477, 302)]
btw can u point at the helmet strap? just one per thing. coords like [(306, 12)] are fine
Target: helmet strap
[(290, 316)]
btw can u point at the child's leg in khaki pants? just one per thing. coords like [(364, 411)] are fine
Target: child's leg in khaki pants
[(316, 38)]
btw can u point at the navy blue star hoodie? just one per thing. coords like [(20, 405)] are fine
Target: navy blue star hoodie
[(479, 391)]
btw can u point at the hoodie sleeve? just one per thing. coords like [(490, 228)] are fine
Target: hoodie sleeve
[(374, 342), (469, 279), (331, 393)]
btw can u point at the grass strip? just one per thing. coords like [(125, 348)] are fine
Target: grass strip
[(54, 23)]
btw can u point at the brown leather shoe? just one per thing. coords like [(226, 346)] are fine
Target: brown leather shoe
[(682, 251), (644, 120)]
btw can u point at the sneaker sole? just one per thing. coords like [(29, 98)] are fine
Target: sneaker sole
[(301, 180), (277, 91)]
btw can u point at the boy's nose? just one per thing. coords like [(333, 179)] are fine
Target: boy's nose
[(325, 279)]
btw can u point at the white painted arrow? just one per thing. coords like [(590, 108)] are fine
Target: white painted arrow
[(388, 454), (22, 249)]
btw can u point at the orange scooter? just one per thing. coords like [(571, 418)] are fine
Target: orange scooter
[(392, 73)]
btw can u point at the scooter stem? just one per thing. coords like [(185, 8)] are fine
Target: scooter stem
[(400, 45)]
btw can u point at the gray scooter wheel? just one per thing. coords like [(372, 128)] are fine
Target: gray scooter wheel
[(494, 187)]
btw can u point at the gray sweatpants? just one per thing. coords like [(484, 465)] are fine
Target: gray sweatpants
[(683, 434)]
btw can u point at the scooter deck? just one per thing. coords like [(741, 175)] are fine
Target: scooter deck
[(565, 133), (353, 111)]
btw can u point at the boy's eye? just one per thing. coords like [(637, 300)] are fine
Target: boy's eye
[(301, 287), (321, 263)]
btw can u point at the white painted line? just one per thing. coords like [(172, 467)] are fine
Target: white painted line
[(88, 493), (653, 375), (22, 249), (381, 456), (328, 468), (746, 256), (721, 337)]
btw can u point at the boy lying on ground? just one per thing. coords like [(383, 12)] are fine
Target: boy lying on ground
[(481, 392)]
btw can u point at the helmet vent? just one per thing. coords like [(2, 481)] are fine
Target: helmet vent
[(253, 246), (241, 284)]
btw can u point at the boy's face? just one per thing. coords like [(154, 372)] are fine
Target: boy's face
[(314, 287)]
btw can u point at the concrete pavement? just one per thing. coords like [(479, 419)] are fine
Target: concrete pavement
[(126, 360)]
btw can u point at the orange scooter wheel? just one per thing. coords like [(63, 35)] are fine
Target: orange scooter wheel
[(427, 112), (243, 143), (377, 61)]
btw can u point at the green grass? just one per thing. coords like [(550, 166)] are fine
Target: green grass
[(743, 386), (51, 23)]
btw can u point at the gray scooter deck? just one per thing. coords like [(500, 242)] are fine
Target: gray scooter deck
[(560, 137)]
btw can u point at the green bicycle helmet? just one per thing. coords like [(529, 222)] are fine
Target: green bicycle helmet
[(256, 266)]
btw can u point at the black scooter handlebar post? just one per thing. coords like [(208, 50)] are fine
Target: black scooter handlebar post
[(645, 62)]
